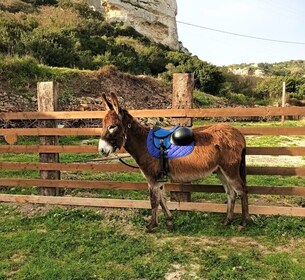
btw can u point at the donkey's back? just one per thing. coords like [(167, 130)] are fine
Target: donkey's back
[(227, 141), (217, 147)]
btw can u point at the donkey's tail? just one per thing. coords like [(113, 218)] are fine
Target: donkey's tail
[(242, 169)]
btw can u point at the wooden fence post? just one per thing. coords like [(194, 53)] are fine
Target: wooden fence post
[(283, 101), (47, 102), (183, 85)]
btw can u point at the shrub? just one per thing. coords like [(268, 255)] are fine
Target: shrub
[(54, 48), (20, 70), (208, 77)]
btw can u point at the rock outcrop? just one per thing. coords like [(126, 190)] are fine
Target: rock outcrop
[(155, 19)]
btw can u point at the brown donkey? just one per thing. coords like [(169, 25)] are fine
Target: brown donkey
[(218, 148)]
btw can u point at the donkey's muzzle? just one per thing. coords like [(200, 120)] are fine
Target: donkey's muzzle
[(104, 148)]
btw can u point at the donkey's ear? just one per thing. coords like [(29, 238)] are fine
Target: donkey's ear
[(108, 105), (115, 103)]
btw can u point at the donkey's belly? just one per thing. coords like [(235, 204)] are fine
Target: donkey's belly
[(191, 174)]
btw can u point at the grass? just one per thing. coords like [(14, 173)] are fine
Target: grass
[(75, 243)]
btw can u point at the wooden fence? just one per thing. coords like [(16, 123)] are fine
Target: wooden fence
[(11, 135)]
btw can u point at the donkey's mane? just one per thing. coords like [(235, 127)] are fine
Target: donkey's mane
[(137, 127)]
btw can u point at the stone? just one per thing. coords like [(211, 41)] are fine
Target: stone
[(154, 19)]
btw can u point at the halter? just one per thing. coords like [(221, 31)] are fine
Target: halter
[(124, 142)]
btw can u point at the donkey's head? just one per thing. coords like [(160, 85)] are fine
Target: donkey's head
[(113, 133)]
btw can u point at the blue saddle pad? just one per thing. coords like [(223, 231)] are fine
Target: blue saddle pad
[(156, 137)]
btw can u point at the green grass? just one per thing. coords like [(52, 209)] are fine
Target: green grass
[(75, 243)]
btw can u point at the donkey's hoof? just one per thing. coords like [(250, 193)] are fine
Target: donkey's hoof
[(241, 227), (170, 225), (150, 227), (227, 222)]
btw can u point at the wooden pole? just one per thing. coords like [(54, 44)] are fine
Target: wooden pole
[(47, 102), (183, 85), (283, 101)]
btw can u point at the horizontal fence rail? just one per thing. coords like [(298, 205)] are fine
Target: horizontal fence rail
[(141, 186), (144, 204), (96, 167), (174, 113), (97, 131), (272, 151)]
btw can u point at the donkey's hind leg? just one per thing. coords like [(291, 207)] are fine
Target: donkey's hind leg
[(238, 185), (231, 196), (241, 191)]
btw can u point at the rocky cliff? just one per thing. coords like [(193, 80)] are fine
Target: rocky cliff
[(155, 19)]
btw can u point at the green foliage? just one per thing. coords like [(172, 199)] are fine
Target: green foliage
[(11, 31), (208, 78), (203, 100), (18, 70), (270, 87), (41, 2), (16, 6), (55, 48)]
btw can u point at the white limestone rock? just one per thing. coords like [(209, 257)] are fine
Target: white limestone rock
[(155, 19)]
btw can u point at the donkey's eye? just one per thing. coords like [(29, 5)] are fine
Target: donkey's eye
[(112, 128)]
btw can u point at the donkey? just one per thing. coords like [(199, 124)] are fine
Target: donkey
[(218, 148)]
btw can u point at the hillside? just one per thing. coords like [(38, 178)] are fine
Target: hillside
[(68, 42), (286, 68)]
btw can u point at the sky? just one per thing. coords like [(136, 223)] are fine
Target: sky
[(282, 20)]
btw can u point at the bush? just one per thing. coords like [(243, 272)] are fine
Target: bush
[(12, 29), (20, 70), (41, 2), (208, 77), (54, 48)]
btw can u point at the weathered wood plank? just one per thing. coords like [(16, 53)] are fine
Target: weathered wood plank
[(177, 187), (199, 113), (272, 130), (145, 204), (48, 149), (102, 167), (73, 184), (283, 171), (89, 166), (51, 131), (273, 151), (97, 131), (246, 112), (276, 151)]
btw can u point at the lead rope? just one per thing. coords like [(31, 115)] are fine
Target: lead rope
[(127, 164)]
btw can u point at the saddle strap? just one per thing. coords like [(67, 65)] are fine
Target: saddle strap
[(164, 168)]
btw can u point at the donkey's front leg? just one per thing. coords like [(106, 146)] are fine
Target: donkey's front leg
[(154, 192), (167, 213)]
